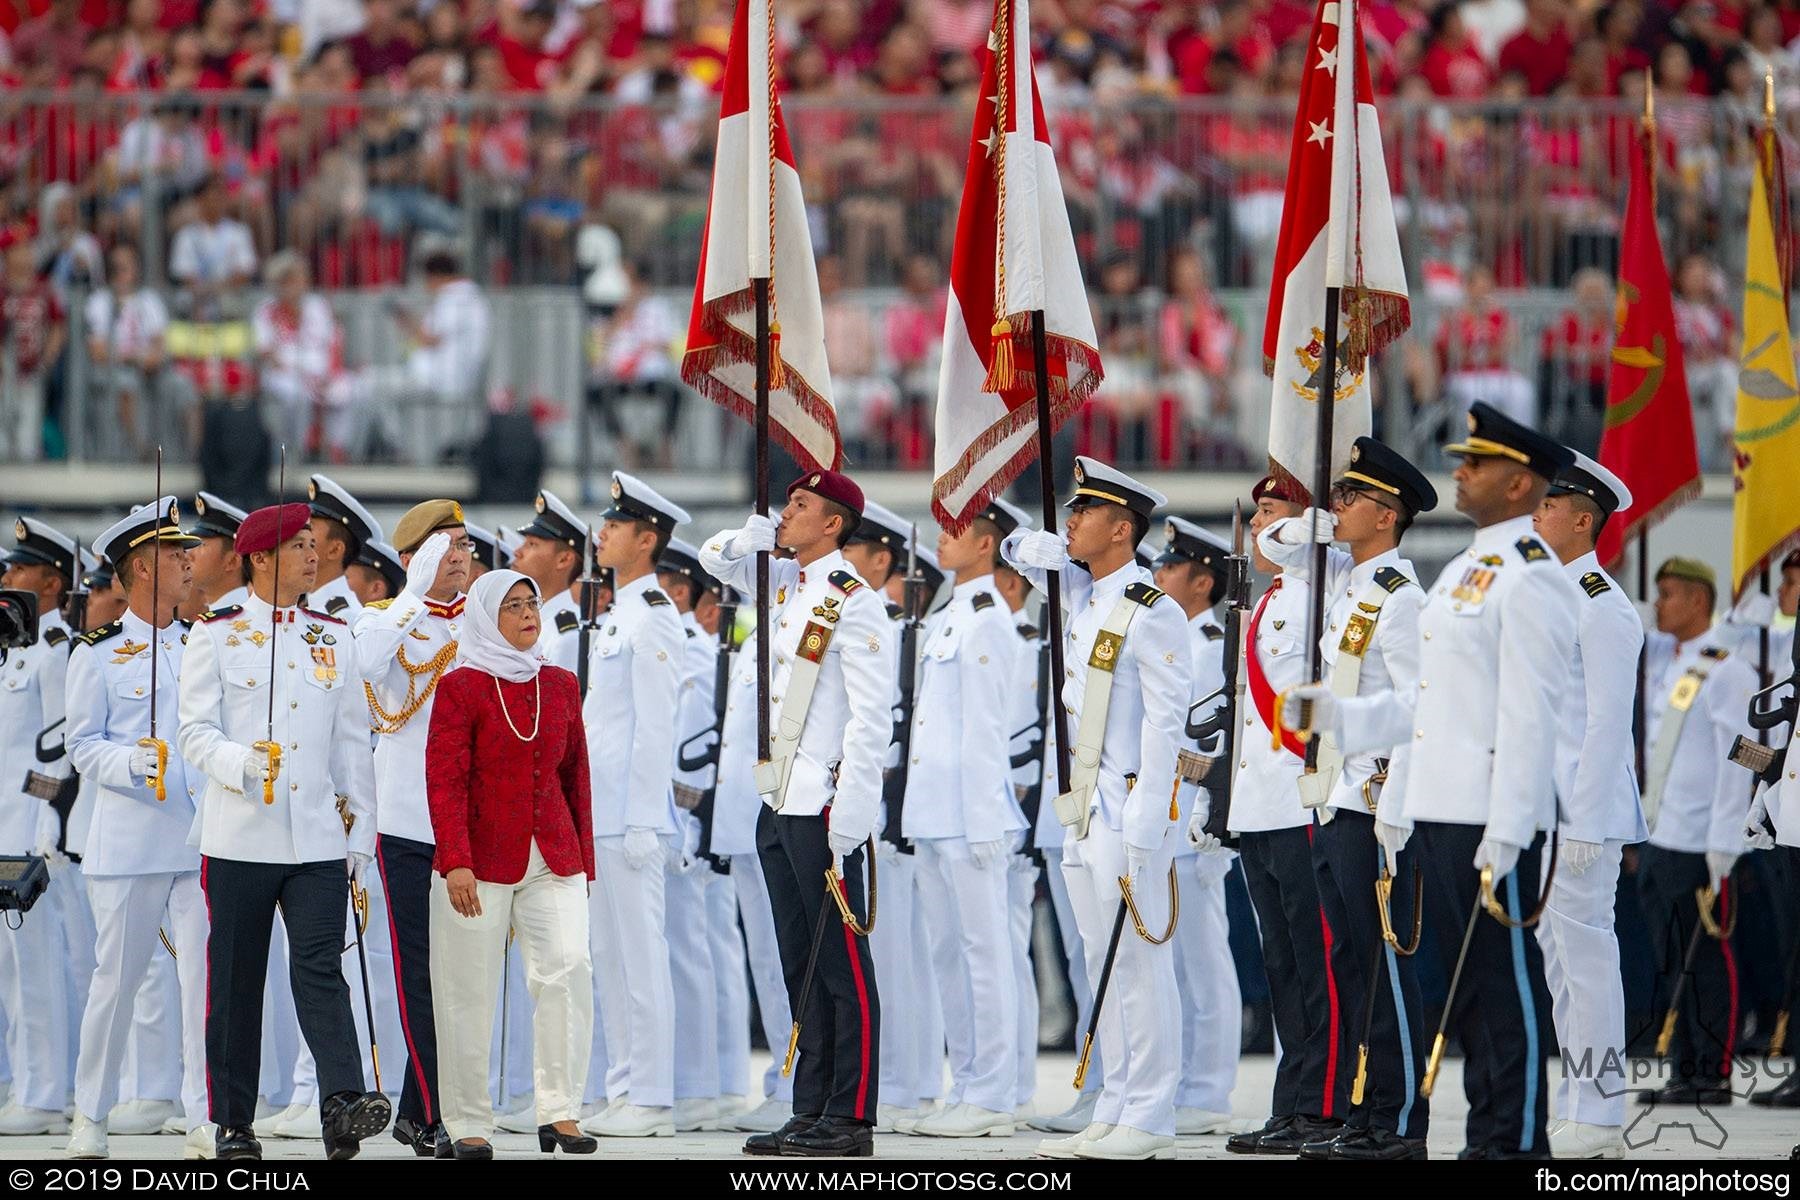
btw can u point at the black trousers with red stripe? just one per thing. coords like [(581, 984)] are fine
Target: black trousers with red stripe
[(241, 899), (1706, 1032), (1310, 1079), (840, 1021), (406, 878)]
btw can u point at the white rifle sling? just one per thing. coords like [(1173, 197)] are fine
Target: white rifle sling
[(772, 774), (1075, 806), (1668, 734)]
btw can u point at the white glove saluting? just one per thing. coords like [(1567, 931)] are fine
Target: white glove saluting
[(1043, 549), (756, 537), (422, 571)]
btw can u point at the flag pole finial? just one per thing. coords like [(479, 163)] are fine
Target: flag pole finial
[(1769, 96)]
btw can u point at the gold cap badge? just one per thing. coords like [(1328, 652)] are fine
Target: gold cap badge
[(540, 502)]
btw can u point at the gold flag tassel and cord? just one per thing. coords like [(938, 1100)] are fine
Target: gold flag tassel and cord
[(777, 373), (1001, 371)]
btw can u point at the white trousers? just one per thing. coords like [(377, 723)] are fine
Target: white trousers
[(902, 977), (34, 990), (153, 1060), (631, 977), (764, 952), (1212, 1009), (128, 910), (1140, 1023), (1587, 995), (1070, 933), (972, 953), (549, 918), (691, 974), (731, 990), (1021, 893), (512, 1041), (79, 936)]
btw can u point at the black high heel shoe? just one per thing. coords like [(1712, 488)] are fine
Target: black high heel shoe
[(471, 1150), (550, 1138)]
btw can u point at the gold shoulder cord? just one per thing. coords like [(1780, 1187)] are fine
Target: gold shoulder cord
[(383, 721)]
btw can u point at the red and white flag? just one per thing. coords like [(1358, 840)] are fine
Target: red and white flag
[(756, 229), (1014, 256), (1337, 230)]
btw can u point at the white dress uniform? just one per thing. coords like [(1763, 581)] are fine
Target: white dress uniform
[(1022, 865), (336, 599), (1140, 1030), (1700, 806), (634, 680), (691, 968), (962, 817), (561, 641)]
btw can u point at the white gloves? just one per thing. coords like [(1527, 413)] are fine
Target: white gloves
[(1718, 867), (1197, 836), (986, 854), (1756, 833), (1502, 856), (48, 829), (1393, 839), (422, 571), (642, 848), (1579, 856), (1326, 714), (1043, 549), (843, 845), (256, 769), (1754, 609), (143, 762), (1314, 525), (1135, 862), (757, 535), (356, 862)]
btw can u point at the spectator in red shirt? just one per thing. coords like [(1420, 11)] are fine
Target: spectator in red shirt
[(1453, 64), (53, 42), (529, 65), (383, 46), (1540, 51), (846, 41), (31, 327), (1475, 350), (1196, 346), (1237, 33)]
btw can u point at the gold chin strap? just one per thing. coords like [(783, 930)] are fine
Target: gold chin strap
[(1384, 891), (1706, 898), (834, 883), (1137, 922), (1496, 910), (155, 782)]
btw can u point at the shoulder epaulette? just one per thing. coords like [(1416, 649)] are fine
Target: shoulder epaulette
[(378, 605), (566, 621), (691, 633), (895, 611), (1391, 579), (1028, 632), (56, 635), (94, 637), (1143, 593), (1716, 653), (219, 614), (336, 605), (1530, 549), (656, 599), (335, 620), (185, 623), (1213, 632), (982, 600), (845, 581), (1593, 583)]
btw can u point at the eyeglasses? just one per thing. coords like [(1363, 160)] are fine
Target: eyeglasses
[(522, 605), (1343, 495), (463, 544)]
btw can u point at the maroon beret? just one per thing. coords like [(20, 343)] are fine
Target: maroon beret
[(1277, 487), (832, 485), (266, 527)]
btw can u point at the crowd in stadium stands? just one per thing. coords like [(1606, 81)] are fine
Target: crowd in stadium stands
[(498, 135)]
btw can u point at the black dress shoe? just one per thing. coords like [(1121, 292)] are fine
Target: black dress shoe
[(1684, 1093), (1299, 1132), (421, 1137), (1321, 1150), (471, 1150), (237, 1141), (1378, 1145), (832, 1137), (1785, 1096), (445, 1148), (1473, 1152), (550, 1139), (770, 1143), (1246, 1143), (347, 1118)]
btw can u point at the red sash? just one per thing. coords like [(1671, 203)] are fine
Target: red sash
[(1262, 694)]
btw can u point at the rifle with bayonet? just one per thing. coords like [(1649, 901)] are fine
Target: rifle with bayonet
[(1216, 732), (893, 781), (588, 597), (1031, 796), (1769, 710), (713, 736)]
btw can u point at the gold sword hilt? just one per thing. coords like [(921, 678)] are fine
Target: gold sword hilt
[(1667, 1037), (1431, 1067), (1081, 1064), (155, 782), (1362, 1073), (273, 750), (787, 1064)]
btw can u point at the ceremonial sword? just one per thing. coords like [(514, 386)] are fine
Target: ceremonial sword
[(269, 745)]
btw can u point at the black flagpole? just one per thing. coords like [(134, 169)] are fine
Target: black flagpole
[(1321, 486), (761, 289), (1640, 718), (1040, 361)]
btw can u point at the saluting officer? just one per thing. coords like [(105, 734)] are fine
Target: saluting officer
[(634, 684), (218, 568), (142, 875), (342, 527), (1496, 634), (405, 646), (1128, 676), (1370, 646), (550, 554), (289, 831), (1191, 570), (34, 988), (831, 688), (1600, 816)]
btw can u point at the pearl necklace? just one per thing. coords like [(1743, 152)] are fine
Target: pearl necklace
[(537, 683)]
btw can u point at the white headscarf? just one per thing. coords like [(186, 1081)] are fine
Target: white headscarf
[(483, 646)]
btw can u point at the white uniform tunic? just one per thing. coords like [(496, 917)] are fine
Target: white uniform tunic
[(405, 647), (1705, 798), (1265, 795), (335, 599)]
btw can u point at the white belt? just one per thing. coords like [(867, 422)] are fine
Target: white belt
[(772, 774), (1346, 677), (1075, 806)]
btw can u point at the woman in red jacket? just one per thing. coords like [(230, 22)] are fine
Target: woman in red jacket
[(506, 776)]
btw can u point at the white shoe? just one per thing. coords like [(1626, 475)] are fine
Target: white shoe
[(176, 1125), (522, 1119), (633, 1121), (698, 1115), (1124, 1142), (1025, 1113), (766, 1117), (300, 1121), (591, 1110), (265, 1127), (1195, 1122), (134, 1118), (888, 1116), (1572, 1139), (729, 1108), (1077, 1117), (202, 1141), (264, 1110), (1071, 1146), (87, 1138), (18, 1121), (965, 1121), (906, 1124)]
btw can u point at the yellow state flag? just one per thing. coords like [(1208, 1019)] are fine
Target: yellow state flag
[(1766, 459)]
